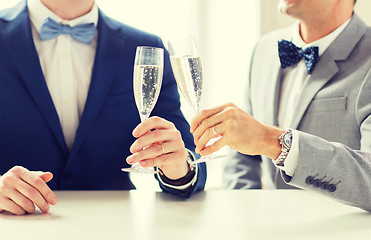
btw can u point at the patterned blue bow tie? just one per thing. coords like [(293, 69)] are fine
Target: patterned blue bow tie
[(83, 33), (291, 54)]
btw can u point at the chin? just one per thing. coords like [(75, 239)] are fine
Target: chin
[(286, 6)]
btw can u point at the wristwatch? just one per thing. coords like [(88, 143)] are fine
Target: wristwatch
[(285, 141), (190, 160)]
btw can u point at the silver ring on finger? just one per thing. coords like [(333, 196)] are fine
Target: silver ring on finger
[(215, 132), (163, 148)]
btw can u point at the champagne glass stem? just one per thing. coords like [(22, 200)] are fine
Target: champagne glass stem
[(197, 108), (207, 158)]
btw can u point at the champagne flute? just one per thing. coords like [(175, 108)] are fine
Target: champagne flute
[(186, 64), (147, 80)]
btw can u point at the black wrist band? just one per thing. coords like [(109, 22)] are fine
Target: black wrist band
[(180, 181)]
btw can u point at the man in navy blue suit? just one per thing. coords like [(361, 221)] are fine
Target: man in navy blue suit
[(68, 118)]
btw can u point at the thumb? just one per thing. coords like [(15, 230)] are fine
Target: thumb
[(46, 176)]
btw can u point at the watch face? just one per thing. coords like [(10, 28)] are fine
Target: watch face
[(287, 140)]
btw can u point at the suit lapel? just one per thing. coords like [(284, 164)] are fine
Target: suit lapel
[(107, 63), (325, 70), (18, 38)]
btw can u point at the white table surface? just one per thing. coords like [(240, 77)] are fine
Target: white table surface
[(244, 214)]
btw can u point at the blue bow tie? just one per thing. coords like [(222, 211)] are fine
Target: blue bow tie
[(291, 54), (83, 33)]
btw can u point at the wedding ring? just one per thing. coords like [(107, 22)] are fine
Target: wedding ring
[(163, 149), (216, 134)]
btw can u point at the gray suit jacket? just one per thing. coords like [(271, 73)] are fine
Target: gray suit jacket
[(333, 116)]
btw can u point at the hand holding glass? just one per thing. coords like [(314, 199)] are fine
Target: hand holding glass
[(147, 80)]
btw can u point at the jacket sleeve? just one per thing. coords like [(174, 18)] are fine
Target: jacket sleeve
[(323, 164)]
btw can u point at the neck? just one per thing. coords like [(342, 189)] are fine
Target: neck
[(69, 9), (317, 26)]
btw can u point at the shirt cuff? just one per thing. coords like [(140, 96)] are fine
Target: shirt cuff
[(292, 159), (185, 186)]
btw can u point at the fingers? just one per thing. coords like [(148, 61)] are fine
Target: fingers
[(155, 136), (39, 191), (156, 150), (23, 188), (33, 195), (205, 114), (21, 201), (206, 127), (214, 147), (151, 123), (202, 140), (10, 206), (159, 144), (46, 176), (164, 160), (211, 118), (11, 196)]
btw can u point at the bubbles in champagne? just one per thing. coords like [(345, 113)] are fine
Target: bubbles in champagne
[(188, 74), (147, 85), (196, 74)]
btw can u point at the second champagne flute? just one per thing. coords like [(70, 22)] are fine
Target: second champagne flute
[(186, 64)]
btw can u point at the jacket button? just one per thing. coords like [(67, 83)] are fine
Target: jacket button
[(325, 185), (309, 180), (317, 183), (331, 188)]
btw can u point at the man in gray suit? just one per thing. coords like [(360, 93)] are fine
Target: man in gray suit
[(318, 82)]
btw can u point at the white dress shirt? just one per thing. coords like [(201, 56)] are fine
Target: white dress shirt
[(292, 81), (67, 66)]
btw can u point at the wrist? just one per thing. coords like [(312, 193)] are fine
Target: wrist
[(271, 146), (176, 171), (184, 179)]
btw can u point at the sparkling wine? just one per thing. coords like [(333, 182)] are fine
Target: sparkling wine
[(147, 85), (188, 74)]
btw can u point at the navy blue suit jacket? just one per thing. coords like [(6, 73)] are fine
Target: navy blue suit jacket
[(30, 131)]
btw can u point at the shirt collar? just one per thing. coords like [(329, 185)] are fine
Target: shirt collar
[(39, 13), (322, 43)]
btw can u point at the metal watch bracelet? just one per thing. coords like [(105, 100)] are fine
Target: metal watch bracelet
[(285, 141)]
